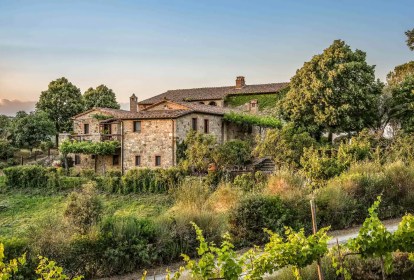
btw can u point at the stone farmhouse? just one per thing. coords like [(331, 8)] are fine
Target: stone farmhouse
[(151, 130)]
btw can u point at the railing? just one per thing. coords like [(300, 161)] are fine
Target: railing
[(94, 137), (110, 137)]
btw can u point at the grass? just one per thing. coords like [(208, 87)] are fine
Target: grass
[(19, 209)]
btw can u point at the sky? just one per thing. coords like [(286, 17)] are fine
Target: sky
[(148, 47)]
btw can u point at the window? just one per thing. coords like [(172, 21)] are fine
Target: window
[(157, 160), (206, 126), (115, 160), (137, 126), (77, 159), (212, 103), (137, 160), (194, 124), (86, 128)]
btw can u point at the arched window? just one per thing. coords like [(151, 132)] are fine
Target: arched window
[(212, 103), (201, 102)]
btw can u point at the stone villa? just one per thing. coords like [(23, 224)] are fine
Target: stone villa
[(150, 131)]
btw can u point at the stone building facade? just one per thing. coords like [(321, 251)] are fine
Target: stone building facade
[(151, 130)]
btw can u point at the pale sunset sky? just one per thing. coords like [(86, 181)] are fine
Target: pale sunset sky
[(148, 47)]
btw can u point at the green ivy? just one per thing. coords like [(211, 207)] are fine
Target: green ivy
[(93, 148), (101, 117), (262, 121)]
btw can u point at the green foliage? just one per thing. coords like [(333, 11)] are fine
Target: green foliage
[(214, 262), (5, 125), (319, 166), (329, 92), (31, 130), (400, 73), (401, 148), (150, 180), (26, 176), (85, 147), (102, 97), (199, 152), (410, 39), (285, 146), (357, 149), (8, 269), (101, 117), (6, 149), (297, 251), (402, 107), (61, 101), (265, 101), (48, 270), (84, 208), (233, 153), (250, 182), (262, 121), (253, 214)]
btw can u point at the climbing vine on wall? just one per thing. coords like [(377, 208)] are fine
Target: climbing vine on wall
[(94, 148), (262, 121)]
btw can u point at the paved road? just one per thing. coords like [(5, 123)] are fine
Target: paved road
[(341, 235)]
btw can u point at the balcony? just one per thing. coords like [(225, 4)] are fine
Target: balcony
[(95, 137)]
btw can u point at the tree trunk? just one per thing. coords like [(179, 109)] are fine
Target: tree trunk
[(383, 269)]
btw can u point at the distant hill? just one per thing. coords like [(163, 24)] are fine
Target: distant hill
[(10, 107)]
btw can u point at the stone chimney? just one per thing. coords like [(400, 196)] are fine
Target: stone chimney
[(133, 103), (240, 82), (254, 106)]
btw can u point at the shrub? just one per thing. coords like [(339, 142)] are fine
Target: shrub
[(26, 176), (151, 180), (233, 153), (84, 208), (250, 182), (87, 173), (255, 213), (6, 149)]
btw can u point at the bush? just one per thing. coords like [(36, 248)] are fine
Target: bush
[(26, 176), (151, 180), (84, 208), (87, 173), (233, 153), (6, 149), (255, 213), (249, 182)]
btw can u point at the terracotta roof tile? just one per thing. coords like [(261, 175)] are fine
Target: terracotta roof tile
[(213, 92)]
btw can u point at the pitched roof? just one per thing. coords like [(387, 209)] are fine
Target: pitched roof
[(160, 114), (215, 93)]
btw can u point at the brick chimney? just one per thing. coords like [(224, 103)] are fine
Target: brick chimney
[(240, 82), (133, 103)]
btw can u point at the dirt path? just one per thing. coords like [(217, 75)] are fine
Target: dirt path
[(342, 236)]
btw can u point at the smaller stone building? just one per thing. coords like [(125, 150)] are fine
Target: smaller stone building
[(148, 138)]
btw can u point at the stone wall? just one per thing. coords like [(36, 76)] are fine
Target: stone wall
[(184, 125), (103, 163), (155, 139)]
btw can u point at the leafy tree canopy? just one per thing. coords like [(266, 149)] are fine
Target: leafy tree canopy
[(400, 73), (329, 92), (285, 146), (61, 101), (5, 122), (31, 130), (410, 39), (402, 108), (101, 96)]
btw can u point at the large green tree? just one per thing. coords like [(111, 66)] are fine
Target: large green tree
[(61, 101), (402, 107), (30, 130), (410, 38), (334, 92), (101, 96), (400, 72)]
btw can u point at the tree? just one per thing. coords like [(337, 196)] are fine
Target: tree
[(102, 96), (30, 130), (285, 146), (410, 39), (61, 101), (199, 150), (402, 107), (4, 126), (400, 73), (329, 92), (233, 153)]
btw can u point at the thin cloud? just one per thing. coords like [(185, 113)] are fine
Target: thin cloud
[(11, 107)]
